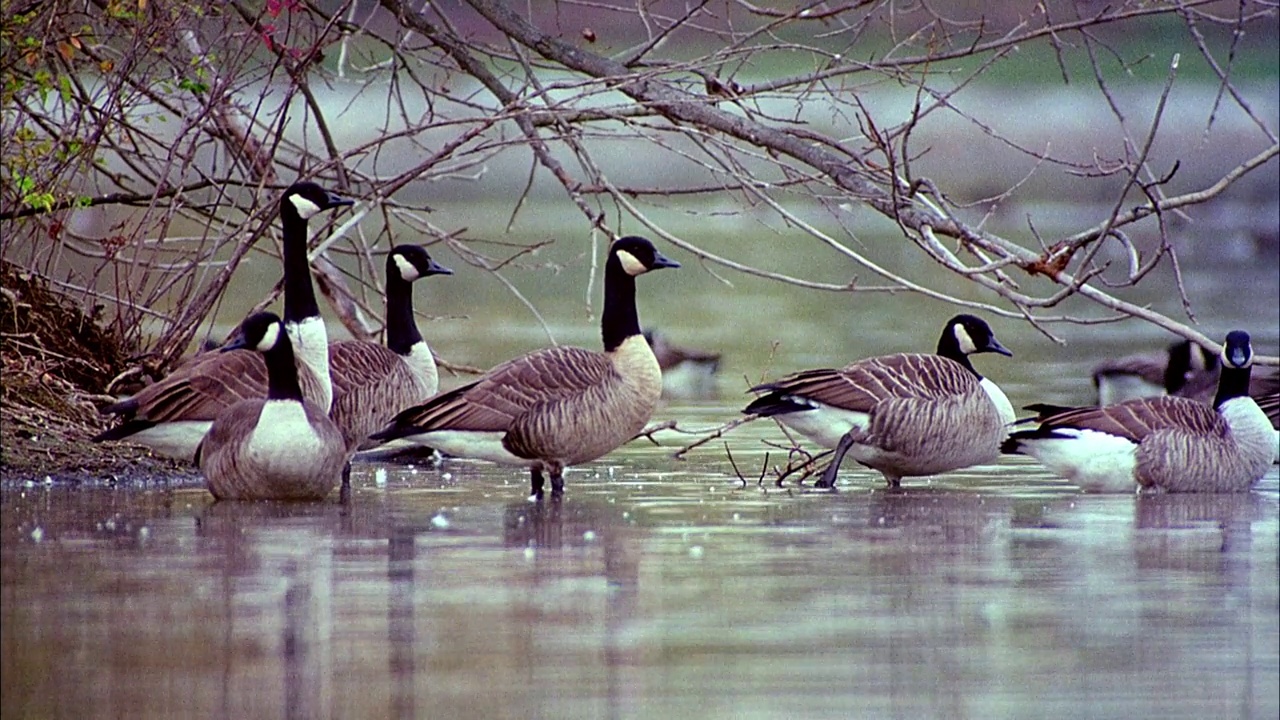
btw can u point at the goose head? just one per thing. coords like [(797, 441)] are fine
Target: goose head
[(636, 256), (1237, 351), (260, 332), (411, 262), (969, 335), (306, 198)]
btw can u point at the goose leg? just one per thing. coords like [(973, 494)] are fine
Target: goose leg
[(557, 479), (535, 481), (344, 492), (828, 479)]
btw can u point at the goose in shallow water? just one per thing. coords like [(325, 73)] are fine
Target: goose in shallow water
[(905, 415), (280, 447), (1173, 443), (558, 406), (172, 415)]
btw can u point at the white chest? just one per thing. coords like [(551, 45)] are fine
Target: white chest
[(283, 438)]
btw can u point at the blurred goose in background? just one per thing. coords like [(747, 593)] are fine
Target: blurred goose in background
[(279, 447), (558, 406), (686, 372), (1184, 369), (904, 415), (1177, 444), (172, 415), (1152, 374)]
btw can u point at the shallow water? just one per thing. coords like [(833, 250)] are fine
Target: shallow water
[(656, 588), (665, 588)]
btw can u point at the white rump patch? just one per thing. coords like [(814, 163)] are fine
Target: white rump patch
[(1095, 461), (311, 348), (174, 439), (630, 264), (305, 207), (823, 424), (469, 444), (408, 271), (269, 338), (965, 342)]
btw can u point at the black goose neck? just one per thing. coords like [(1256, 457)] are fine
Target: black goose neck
[(299, 296), (282, 373), (949, 348), (619, 320), (402, 331), (1232, 383)]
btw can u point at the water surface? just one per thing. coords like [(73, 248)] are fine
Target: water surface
[(656, 588)]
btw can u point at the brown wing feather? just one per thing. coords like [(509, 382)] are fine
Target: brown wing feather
[(354, 364), (202, 390), (861, 385), (1136, 419), (508, 390)]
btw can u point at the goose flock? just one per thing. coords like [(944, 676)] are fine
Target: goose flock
[(278, 412)]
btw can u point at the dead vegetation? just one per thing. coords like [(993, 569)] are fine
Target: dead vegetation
[(56, 360)]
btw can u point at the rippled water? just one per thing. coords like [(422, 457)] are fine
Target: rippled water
[(665, 588), (656, 588)]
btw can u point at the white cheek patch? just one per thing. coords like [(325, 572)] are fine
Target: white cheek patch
[(407, 270), (305, 207), (963, 340), (269, 338), (630, 264), (1243, 359)]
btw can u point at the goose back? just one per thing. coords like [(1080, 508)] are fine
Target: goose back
[(566, 404)]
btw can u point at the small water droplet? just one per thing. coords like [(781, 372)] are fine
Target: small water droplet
[(589, 536), (446, 476), (529, 553), (695, 552), (144, 532), (440, 521), (380, 477), (37, 535)]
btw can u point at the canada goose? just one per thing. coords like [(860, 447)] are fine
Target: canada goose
[(1173, 443), (1184, 369), (904, 415), (172, 415), (280, 447), (373, 382), (1153, 374), (686, 372), (558, 406)]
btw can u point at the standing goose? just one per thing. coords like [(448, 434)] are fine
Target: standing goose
[(373, 382), (905, 415), (172, 415), (558, 406), (280, 447), (1173, 443)]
